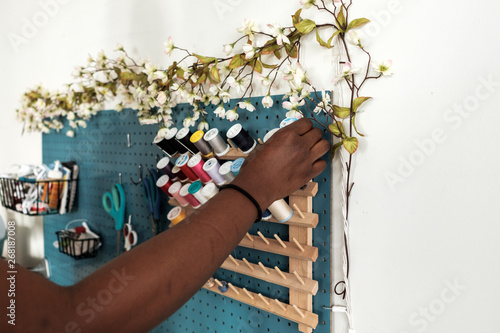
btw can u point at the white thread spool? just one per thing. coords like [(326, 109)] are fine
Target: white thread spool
[(209, 191)]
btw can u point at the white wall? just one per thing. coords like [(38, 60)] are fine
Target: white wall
[(434, 226)]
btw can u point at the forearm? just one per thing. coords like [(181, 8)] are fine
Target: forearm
[(163, 273)]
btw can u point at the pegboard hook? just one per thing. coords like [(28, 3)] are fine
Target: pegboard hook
[(140, 176), (128, 141)]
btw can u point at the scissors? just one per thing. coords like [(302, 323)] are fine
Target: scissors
[(129, 234), (114, 205), (153, 199)]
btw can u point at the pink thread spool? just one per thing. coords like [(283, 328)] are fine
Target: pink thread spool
[(196, 164), (174, 191), (182, 163), (164, 183), (184, 192)]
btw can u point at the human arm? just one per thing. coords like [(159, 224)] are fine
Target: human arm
[(153, 280)]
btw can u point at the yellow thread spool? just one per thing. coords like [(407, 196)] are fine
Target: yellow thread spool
[(176, 215)]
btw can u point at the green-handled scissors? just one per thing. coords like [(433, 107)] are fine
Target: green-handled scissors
[(114, 205)]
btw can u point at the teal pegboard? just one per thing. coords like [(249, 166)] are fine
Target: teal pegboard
[(101, 153)]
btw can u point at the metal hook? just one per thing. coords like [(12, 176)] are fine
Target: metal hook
[(119, 178), (128, 141), (140, 176)]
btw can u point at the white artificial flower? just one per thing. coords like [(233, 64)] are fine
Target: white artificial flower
[(279, 33), (264, 80), (347, 72), (248, 28), (150, 70), (232, 115), (161, 98), (228, 49), (353, 38), (249, 51), (203, 125), (188, 122), (70, 133), (169, 46), (294, 114), (294, 103), (267, 101), (384, 67), (307, 3), (70, 115), (220, 111), (246, 105), (325, 101)]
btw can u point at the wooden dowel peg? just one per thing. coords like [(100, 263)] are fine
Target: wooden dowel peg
[(298, 311), (280, 241), (249, 237), (298, 245), (248, 264), (260, 141), (263, 299), (264, 268), (233, 288), (248, 294), (280, 305), (231, 143), (299, 278), (218, 283), (263, 238), (234, 260), (280, 272), (299, 211)]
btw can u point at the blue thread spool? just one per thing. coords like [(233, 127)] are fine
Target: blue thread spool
[(224, 286), (287, 121), (236, 166), (266, 215)]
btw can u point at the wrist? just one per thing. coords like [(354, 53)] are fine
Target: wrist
[(249, 197)]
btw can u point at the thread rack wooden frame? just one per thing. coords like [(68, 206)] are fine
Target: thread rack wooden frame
[(301, 255)]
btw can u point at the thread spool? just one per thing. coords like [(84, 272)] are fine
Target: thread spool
[(210, 283), (164, 184), (270, 134), (177, 172), (200, 143), (167, 142), (195, 163), (184, 192), (212, 167), (287, 121), (165, 166), (236, 166), (183, 136), (266, 215), (216, 142), (280, 210), (174, 191), (176, 215), (225, 171), (182, 163), (241, 138), (223, 287), (195, 189), (209, 191)]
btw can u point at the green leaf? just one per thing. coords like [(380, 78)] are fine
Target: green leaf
[(337, 129), (205, 60), (257, 65), (358, 101), (354, 125), (336, 147), (268, 49), (293, 52), (201, 79), (322, 42), (305, 26), (341, 111), (277, 53), (296, 16), (268, 66), (357, 23), (350, 144), (341, 19), (331, 38), (237, 61), (214, 72)]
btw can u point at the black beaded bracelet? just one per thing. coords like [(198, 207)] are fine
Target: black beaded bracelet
[(246, 194)]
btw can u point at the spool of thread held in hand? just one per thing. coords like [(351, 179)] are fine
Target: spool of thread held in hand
[(241, 138)]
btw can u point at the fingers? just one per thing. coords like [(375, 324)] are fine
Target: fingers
[(312, 137), (319, 149), (301, 126)]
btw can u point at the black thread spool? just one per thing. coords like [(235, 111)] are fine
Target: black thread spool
[(183, 136), (167, 143), (241, 138)]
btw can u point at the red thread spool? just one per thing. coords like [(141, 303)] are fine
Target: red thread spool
[(182, 163), (164, 183), (177, 172), (174, 190), (196, 164), (184, 192)]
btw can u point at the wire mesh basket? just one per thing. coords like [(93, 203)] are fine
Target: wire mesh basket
[(78, 243)]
